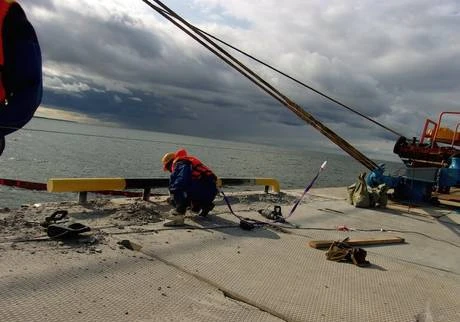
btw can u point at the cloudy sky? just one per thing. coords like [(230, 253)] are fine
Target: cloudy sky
[(117, 61)]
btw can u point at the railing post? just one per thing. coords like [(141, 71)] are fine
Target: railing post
[(82, 197), (146, 194)]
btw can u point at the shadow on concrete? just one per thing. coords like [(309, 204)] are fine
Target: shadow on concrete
[(375, 266), (412, 216), (280, 198), (229, 227), (449, 224), (440, 219)]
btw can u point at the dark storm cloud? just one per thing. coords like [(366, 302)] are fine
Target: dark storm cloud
[(116, 48), (395, 61)]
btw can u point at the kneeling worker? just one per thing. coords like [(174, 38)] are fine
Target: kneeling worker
[(191, 184)]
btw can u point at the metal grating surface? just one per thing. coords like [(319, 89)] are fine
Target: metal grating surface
[(429, 241), (282, 275), (113, 286), (290, 280), (268, 274)]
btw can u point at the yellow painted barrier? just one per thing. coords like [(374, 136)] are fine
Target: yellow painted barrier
[(267, 182), (105, 184), (85, 184)]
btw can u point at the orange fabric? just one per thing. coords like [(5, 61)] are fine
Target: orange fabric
[(4, 7), (198, 168), (181, 153)]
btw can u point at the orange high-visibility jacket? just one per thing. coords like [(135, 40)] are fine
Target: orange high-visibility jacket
[(199, 170)]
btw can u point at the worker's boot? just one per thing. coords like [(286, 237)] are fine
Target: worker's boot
[(195, 208), (175, 218), (205, 210)]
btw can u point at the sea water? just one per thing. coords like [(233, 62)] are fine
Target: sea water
[(51, 149)]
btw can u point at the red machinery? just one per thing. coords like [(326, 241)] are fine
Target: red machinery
[(437, 144)]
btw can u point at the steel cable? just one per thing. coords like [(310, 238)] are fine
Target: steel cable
[(299, 82), (252, 76)]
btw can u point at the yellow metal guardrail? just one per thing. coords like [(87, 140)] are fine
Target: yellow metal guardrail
[(267, 182), (84, 185)]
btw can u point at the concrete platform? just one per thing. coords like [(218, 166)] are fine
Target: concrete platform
[(212, 270)]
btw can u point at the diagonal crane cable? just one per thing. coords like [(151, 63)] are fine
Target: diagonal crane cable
[(233, 62), (299, 82), (252, 76), (295, 80)]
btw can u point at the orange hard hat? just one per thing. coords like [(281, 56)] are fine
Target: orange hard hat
[(167, 158)]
